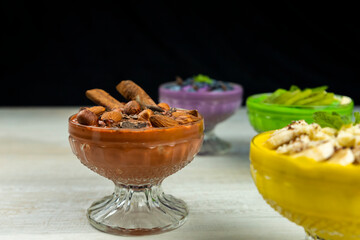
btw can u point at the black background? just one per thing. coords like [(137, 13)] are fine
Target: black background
[(53, 52)]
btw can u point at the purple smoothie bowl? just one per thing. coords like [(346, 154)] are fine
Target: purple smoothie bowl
[(214, 106)]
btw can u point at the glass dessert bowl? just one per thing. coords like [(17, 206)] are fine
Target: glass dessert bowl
[(323, 198), (268, 116), (214, 106), (137, 161)]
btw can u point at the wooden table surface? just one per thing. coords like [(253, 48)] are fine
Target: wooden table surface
[(45, 191)]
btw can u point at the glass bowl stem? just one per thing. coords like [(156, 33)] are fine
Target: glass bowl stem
[(137, 210), (213, 145)]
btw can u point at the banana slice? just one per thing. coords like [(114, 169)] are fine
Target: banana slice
[(320, 152), (329, 131), (300, 143), (343, 157), (356, 152), (357, 141), (286, 134), (317, 133), (354, 130), (310, 140), (345, 139), (357, 130)]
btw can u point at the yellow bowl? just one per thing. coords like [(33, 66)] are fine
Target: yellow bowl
[(323, 198)]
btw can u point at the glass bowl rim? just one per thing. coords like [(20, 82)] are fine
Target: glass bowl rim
[(275, 106), (110, 130), (237, 90)]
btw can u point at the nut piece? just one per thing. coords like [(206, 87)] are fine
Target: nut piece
[(113, 115), (120, 110), (193, 112), (184, 119), (87, 117), (178, 113), (162, 121), (98, 110), (102, 123), (145, 115), (164, 106), (132, 107)]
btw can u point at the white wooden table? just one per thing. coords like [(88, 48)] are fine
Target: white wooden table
[(45, 191)]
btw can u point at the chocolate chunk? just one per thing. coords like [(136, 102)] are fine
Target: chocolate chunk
[(129, 124), (109, 122), (155, 108), (157, 113)]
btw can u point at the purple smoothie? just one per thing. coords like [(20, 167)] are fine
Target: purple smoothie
[(214, 106)]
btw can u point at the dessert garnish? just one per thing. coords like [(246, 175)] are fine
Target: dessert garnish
[(139, 112), (309, 97), (199, 83), (335, 120), (331, 138)]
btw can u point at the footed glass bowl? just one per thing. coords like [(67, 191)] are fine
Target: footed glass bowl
[(215, 107), (267, 116), (137, 161), (323, 198)]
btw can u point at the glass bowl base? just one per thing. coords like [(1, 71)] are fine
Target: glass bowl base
[(137, 210), (213, 145)]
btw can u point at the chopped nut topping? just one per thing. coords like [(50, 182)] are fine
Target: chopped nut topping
[(140, 112)]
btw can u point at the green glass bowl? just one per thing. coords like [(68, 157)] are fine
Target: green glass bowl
[(266, 116)]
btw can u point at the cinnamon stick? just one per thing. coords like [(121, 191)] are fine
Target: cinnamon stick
[(103, 98), (131, 91)]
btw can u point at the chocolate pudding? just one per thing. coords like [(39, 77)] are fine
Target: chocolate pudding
[(135, 156)]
